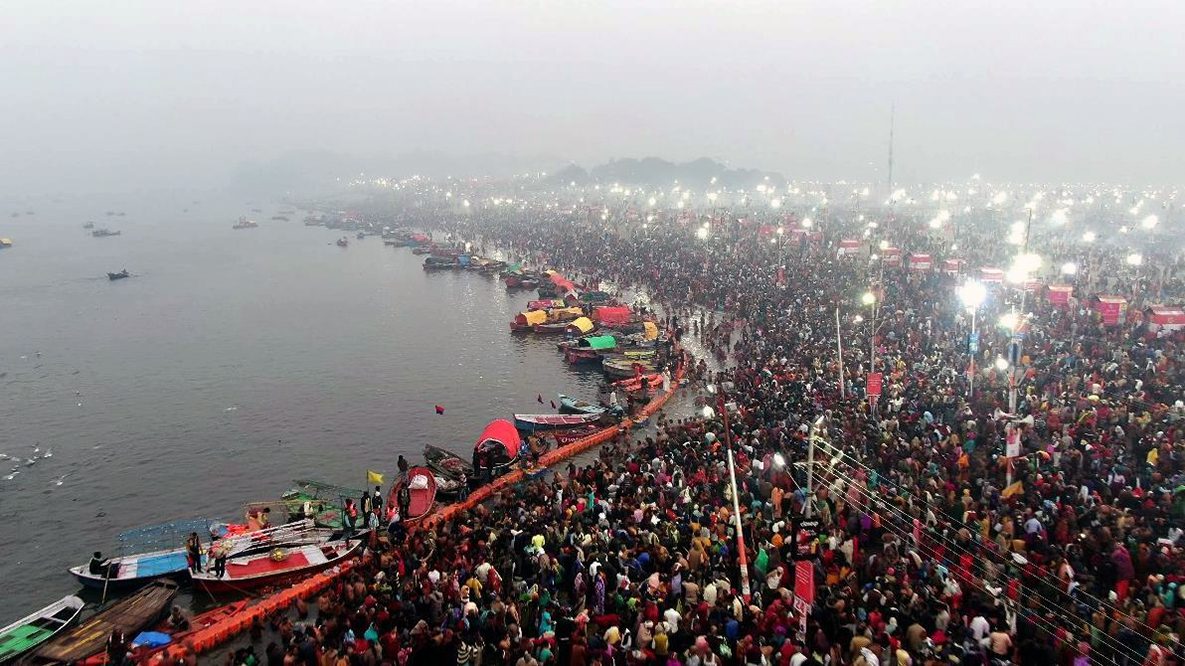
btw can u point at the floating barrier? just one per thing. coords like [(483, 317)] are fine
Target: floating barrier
[(224, 630), (557, 456)]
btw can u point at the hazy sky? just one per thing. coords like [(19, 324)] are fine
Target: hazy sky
[(112, 94)]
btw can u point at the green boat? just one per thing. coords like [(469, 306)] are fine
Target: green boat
[(326, 500), (31, 631)]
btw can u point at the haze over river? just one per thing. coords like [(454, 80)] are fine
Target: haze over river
[(231, 363)]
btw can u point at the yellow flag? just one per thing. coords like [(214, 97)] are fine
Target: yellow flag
[(1014, 489), (374, 478)]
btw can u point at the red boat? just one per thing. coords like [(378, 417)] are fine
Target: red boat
[(563, 437), (421, 487), (653, 381), (497, 448), (278, 566)]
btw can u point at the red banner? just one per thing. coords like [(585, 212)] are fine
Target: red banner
[(804, 582), (874, 384)]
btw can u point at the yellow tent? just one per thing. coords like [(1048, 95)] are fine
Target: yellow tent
[(583, 325), (650, 330), (533, 317)]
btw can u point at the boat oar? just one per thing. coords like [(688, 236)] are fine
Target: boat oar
[(106, 581)]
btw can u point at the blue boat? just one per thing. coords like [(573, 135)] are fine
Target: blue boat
[(570, 405), (129, 572), (148, 553)]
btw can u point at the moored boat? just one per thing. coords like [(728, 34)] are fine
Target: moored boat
[(653, 381), (343, 242), (36, 628), (420, 485), (320, 501), (570, 405), (244, 223), (102, 233), (447, 463), (538, 422), (497, 448), (277, 566), (624, 367), (147, 553), (129, 616), (5, 242), (128, 572)]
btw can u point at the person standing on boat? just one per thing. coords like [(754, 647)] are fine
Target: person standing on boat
[(364, 503), (193, 552), (402, 464), (376, 503)]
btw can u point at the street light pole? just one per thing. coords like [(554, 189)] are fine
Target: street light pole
[(742, 556), (839, 354), (809, 506), (1014, 361), (974, 353)]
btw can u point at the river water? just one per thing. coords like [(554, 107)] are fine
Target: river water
[(233, 362)]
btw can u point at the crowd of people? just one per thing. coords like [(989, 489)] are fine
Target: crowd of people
[(923, 542)]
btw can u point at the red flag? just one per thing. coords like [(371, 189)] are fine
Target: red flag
[(439, 409)]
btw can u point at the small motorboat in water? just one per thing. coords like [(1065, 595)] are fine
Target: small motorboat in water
[(102, 233), (343, 241), (120, 275)]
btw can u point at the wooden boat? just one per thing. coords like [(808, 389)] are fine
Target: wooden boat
[(435, 263), (497, 447), (446, 486), (546, 304), (325, 501), (653, 382), (131, 571), (157, 639), (555, 328), (119, 276), (447, 463), (420, 483), (151, 552), (130, 616), (277, 566), (537, 422), (624, 367), (36, 628), (570, 405), (564, 437)]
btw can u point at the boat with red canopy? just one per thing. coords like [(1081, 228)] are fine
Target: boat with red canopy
[(497, 448)]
